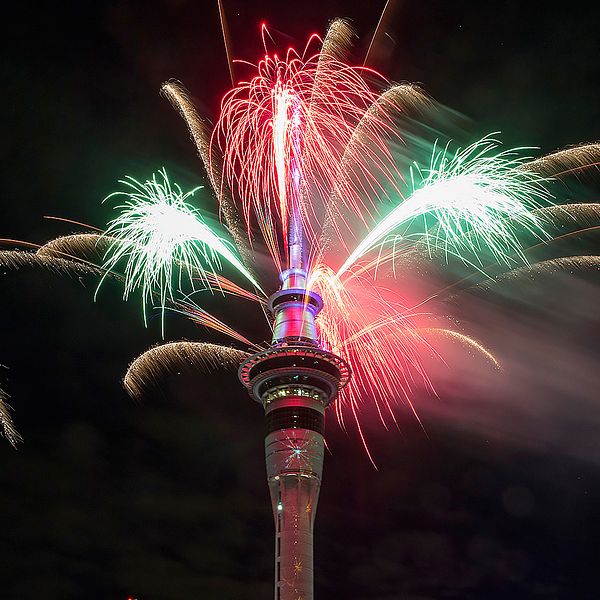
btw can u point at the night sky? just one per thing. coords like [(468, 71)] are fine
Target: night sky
[(498, 498)]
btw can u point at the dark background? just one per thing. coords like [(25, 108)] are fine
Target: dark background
[(500, 498)]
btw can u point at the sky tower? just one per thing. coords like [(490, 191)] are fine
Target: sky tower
[(295, 380)]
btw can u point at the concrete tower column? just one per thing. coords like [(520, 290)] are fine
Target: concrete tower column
[(294, 379), (294, 458)]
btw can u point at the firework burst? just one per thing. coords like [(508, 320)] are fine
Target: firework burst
[(305, 150), (164, 238), (475, 199), (288, 139)]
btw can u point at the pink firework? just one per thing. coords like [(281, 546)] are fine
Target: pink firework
[(304, 150), (300, 138), (374, 330)]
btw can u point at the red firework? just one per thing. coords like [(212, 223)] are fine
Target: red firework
[(306, 135)]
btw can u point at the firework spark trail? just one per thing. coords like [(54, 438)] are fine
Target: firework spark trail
[(464, 340), (578, 213), (73, 222), (377, 335), (226, 39), (156, 230), (77, 255), (151, 368), (386, 13), (214, 281), (473, 191), (337, 43), (92, 248), (558, 222), (531, 273), (567, 161), (198, 315), (561, 222), (179, 97), (18, 259), (85, 246), (7, 425), (259, 128), (398, 99)]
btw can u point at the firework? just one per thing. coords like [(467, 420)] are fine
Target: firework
[(20, 259), (158, 232), (304, 148), (91, 247), (6, 422), (283, 136), (304, 144), (200, 133), (545, 268), (567, 162), (476, 197), (150, 369), (305, 152)]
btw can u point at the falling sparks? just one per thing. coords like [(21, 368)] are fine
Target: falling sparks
[(6, 423), (152, 367), (566, 264), (284, 134), (200, 133), (570, 161), (19, 259), (306, 149), (471, 200), (161, 237), (377, 335)]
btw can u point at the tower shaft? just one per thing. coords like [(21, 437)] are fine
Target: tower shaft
[(294, 461), (294, 380)]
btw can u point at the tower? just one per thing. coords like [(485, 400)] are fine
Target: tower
[(295, 380)]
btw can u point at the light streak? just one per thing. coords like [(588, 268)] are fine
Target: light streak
[(388, 9), (84, 246), (464, 340), (7, 425), (226, 39), (370, 328), (567, 161), (532, 273), (199, 130), (337, 42), (19, 259), (158, 231), (398, 99), (150, 369), (283, 135), (476, 197)]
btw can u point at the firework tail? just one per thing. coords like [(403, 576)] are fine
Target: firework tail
[(180, 99), (226, 39), (7, 427)]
